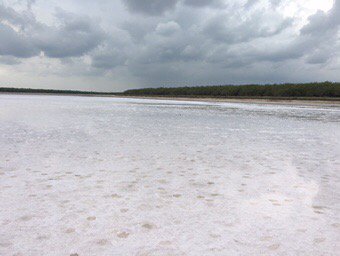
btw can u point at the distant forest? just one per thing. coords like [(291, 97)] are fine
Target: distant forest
[(51, 91), (306, 90)]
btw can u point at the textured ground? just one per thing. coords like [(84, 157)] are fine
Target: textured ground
[(102, 176)]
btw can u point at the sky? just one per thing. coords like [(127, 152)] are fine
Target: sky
[(114, 45)]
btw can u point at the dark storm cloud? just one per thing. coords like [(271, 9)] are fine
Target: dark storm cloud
[(75, 36), (175, 41), (22, 36), (150, 7), (229, 41), (156, 7), (207, 40), (15, 44), (203, 3), (14, 27)]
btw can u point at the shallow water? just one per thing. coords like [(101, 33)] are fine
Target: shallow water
[(109, 176)]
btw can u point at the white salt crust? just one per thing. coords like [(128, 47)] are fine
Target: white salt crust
[(107, 176)]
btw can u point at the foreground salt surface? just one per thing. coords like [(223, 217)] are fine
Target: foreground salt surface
[(103, 176)]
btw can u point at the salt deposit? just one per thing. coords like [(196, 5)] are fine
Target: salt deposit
[(109, 176)]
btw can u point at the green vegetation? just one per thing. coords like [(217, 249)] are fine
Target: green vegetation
[(308, 90), (47, 91), (290, 91)]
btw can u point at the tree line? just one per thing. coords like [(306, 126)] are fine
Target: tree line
[(306, 90), (51, 91), (325, 89)]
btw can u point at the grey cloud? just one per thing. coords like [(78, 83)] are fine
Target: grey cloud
[(108, 60), (223, 40), (75, 36), (320, 35), (137, 30), (9, 60), (322, 22), (167, 43), (158, 74), (169, 46), (157, 7), (319, 57), (168, 28), (251, 3), (191, 52), (230, 47), (203, 3), (317, 41), (176, 41), (279, 54), (28, 3), (23, 20), (15, 44), (231, 30), (275, 2), (114, 52), (150, 7)]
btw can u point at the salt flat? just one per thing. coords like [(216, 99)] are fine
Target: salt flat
[(111, 176)]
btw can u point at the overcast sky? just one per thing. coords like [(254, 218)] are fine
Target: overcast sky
[(113, 45)]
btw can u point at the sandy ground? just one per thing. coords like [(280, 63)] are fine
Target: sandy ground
[(110, 176), (320, 102), (314, 102)]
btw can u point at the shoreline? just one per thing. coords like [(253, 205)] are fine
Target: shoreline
[(307, 102), (275, 101)]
